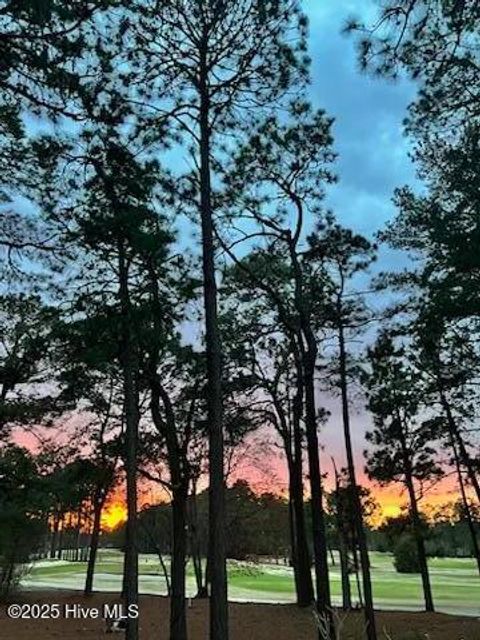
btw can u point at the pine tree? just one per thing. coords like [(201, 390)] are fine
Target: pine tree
[(109, 224), (437, 44), (262, 352), (209, 62), (289, 165), (402, 446), (344, 255)]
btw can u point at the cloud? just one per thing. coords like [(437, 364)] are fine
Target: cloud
[(373, 151)]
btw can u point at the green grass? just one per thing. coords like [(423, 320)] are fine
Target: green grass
[(455, 582)]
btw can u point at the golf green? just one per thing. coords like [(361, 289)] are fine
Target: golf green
[(455, 582)]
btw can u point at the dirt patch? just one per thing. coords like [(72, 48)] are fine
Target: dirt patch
[(248, 622)]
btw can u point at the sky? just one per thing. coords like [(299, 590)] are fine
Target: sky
[(373, 152)]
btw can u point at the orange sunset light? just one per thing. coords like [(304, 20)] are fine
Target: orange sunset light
[(115, 513), (391, 501), (391, 510)]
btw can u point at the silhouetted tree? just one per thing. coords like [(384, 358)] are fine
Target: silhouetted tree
[(401, 445), (344, 255), (436, 44), (289, 165), (208, 62), (25, 362)]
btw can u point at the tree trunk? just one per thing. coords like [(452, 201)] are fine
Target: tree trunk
[(218, 569), (130, 391), (466, 506), (78, 536), (97, 518), (357, 505), (463, 453), (179, 481), (417, 531), (357, 577), (318, 518), (198, 570), (294, 454), (60, 540), (128, 357), (165, 572), (207, 575), (346, 590), (179, 477), (340, 518), (54, 538), (305, 594), (178, 621), (307, 350), (332, 555), (293, 541), (195, 545)]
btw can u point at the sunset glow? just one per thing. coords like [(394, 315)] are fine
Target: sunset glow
[(391, 501), (114, 514), (390, 510)]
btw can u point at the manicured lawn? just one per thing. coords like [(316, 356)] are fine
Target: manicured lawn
[(455, 582)]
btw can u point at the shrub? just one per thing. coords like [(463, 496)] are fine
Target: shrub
[(406, 555), (20, 536)]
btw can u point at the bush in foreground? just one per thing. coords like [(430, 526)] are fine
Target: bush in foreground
[(406, 555)]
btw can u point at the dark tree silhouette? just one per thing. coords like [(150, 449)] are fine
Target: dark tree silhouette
[(401, 445), (261, 350), (289, 165), (435, 43), (208, 62), (344, 255)]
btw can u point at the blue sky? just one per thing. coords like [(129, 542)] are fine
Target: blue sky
[(373, 152)]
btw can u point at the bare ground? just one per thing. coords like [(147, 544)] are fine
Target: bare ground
[(248, 622)]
